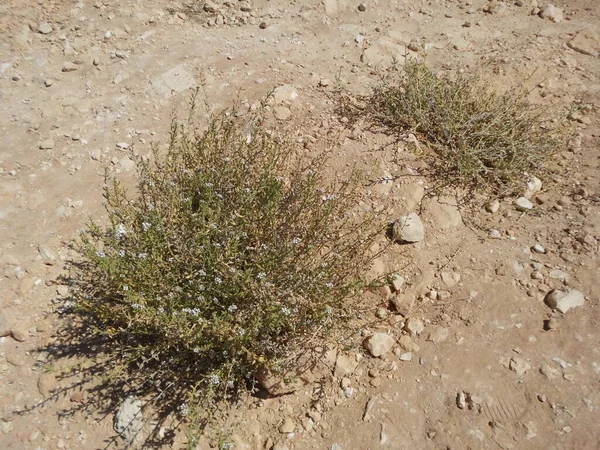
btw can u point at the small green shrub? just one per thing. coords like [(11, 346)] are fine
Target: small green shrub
[(234, 251), (478, 140)]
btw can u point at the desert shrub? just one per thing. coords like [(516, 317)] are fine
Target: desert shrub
[(476, 139), (234, 255)]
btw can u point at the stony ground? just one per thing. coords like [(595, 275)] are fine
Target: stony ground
[(477, 360)]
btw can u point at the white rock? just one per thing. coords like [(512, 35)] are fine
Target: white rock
[(438, 334), (551, 12), (538, 248), (406, 356), (47, 144), (379, 344), (495, 234), (285, 93), (523, 204), (534, 185), (403, 303), (519, 365), (45, 28), (408, 229), (397, 282), (564, 301), (414, 326), (282, 113), (345, 365), (493, 206), (129, 421)]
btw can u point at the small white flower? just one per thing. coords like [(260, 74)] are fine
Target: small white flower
[(121, 231), (142, 255), (218, 280), (161, 310), (261, 275), (202, 273), (242, 332), (329, 197), (296, 240), (286, 311), (150, 207), (230, 385), (122, 253), (247, 190), (100, 254), (329, 285), (268, 284), (183, 409), (214, 379), (146, 226), (209, 184), (125, 287), (232, 308), (196, 350), (329, 310)]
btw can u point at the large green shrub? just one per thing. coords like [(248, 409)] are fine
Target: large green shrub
[(233, 252)]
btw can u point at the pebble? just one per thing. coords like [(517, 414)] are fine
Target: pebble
[(438, 334), (19, 332), (538, 248), (46, 383), (263, 25), (549, 372), (408, 229), (414, 326), (495, 234), (534, 185), (406, 356), (397, 282), (551, 12), (210, 7), (69, 67), (362, 7), (285, 93), (564, 301), (129, 420), (282, 113), (47, 144), (48, 82), (519, 365), (45, 28), (345, 365), (408, 344), (493, 206), (461, 400), (378, 344), (403, 303), (523, 204), (288, 425)]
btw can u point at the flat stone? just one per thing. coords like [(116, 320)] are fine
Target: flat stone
[(47, 144), (519, 365), (551, 12), (288, 426), (45, 28), (6, 323), (443, 212), (129, 421), (282, 113), (408, 229), (523, 204), (379, 344), (19, 332), (284, 94), (438, 334), (493, 206), (414, 326), (46, 383), (564, 301), (550, 372), (586, 42), (173, 81), (345, 365), (384, 52), (69, 67), (406, 343)]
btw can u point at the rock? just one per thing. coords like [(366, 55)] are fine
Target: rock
[(345, 365), (538, 248), (129, 421), (47, 144), (403, 303), (288, 425), (397, 282), (461, 400), (210, 7), (438, 334), (20, 332), (523, 204), (586, 42), (285, 93), (551, 12), (379, 344), (534, 185), (45, 28), (493, 206), (408, 229), (495, 234), (443, 212), (127, 164), (557, 274), (262, 26), (69, 67), (405, 356), (46, 383), (48, 82), (282, 113), (494, 7), (414, 326), (173, 81), (550, 372), (362, 7), (450, 279), (406, 343), (519, 365), (48, 255), (6, 323), (278, 385), (564, 301)]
